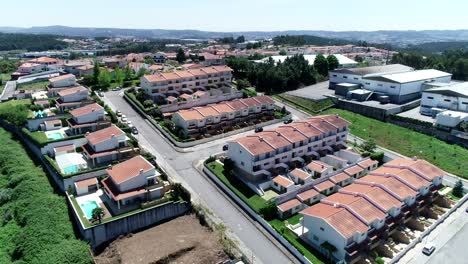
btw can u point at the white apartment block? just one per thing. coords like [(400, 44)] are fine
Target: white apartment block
[(161, 85), (258, 154)]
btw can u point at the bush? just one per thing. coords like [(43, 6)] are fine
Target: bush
[(378, 156), (179, 191), (458, 189), (210, 159), (148, 103), (269, 211), (379, 260)]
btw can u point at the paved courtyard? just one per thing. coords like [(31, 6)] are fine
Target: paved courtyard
[(318, 91), (414, 114)]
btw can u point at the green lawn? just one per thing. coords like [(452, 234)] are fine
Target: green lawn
[(309, 252), (5, 77), (254, 200), (293, 220), (33, 85), (305, 104), (451, 158), (453, 197), (39, 137)]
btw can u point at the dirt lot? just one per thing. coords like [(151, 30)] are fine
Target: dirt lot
[(182, 240)]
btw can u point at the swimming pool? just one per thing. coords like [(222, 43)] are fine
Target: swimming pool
[(71, 169), (88, 208), (55, 135)]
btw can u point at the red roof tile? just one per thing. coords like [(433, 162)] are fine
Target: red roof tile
[(129, 169), (289, 205), (104, 134)]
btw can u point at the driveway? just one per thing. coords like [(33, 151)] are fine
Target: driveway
[(8, 91), (181, 166), (318, 91)]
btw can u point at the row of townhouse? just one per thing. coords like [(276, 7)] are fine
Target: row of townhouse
[(222, 115), (256, 156), (161, 85), (360, 216)]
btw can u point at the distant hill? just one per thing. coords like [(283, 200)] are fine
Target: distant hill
[(398, 38), (437, 47)]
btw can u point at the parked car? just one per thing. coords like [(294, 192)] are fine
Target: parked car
[(116, 88), (258, 129), (100, 93), (129, 124), (288, 121), (134, 130), (466, 209), (428, 249), (118, 113), (225, 147), (124, 119)]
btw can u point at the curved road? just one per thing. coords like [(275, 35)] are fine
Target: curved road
[(181, 166)]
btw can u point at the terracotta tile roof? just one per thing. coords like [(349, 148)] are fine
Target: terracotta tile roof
[(154, 78), (423, 167), (323, 186), (289, 205), (185, 96), (209, 70), (86, 110), (190, 114), (275, 139), (237, 104), (340, 177), (318, 166), (395, 186), (375, 193), (358, 205), (104, 134), (171, 99), (320, 124), (197, 72), (305, 128), (70, 91), (300, 174), (222, 68), (86, 183), (367, 163), (43, 60), (353, 170), (61, 77), (334, 119), (129, 169), (303, 196), (85, 67), (254, 145), (338, 218), (291, 133), (199, 93), (283, 181), (170, 76), (404, 175), (206, 111), (156, 67), (29, 65), (53, 122), (250, 102), (184, 74), (263, 99), (223, 108)]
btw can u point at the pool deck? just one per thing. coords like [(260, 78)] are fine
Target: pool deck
[(96, 196)]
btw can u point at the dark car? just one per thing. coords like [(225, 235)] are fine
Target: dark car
[(258, 129), (134, 130), (225, 147), (287, 121)]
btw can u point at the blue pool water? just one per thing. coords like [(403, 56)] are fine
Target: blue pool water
[(55, 136), (71, 169), (88, 208)]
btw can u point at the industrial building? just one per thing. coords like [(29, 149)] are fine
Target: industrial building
[(394, 83), (444, 96)]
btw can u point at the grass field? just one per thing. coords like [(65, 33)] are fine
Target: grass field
[(451, 158), (254, 200), (33, 86), (305, 104)]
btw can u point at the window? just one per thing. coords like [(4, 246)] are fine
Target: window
[(334, 75), (242, 163), (367, 83), (346, 77), (380, 84), (321, 228), (316, 238), (447, 100), (393, 86), (465, 103), (356, 78), (266, 164)]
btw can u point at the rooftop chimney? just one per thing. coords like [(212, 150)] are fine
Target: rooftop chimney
[(113, 135), (141, 171)]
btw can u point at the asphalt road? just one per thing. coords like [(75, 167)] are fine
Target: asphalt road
[(181, 166), (9, 90), (453, 252)]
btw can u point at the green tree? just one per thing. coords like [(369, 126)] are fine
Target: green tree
[(180, 57), (282, 52), (228, 166), (321, 65), (119, 76), (333, 62), (97, 214), (128, 73), (96, 72), (369, 146), (141, 72), (269, 211), (104, 79), (149, 60), (458, 189), (240, 39)]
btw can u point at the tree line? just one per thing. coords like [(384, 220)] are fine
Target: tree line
[(35, 224), (30, 42), (301, 40), (452, 61), (271, 77)]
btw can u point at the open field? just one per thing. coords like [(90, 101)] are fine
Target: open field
[(182, 240), (305, 104)]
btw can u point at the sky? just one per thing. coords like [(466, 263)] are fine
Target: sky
[(240, 15)]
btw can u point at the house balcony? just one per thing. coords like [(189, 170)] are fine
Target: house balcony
[(354, 251), (262, 171)]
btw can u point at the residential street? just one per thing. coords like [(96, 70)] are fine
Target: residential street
[(8, 91), (180, 165)]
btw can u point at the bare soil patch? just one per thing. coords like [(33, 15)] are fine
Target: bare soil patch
[(182, 240)]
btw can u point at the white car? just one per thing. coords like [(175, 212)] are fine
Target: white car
[(428, 249), (124, 119), (118, 113), (129, 124)]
